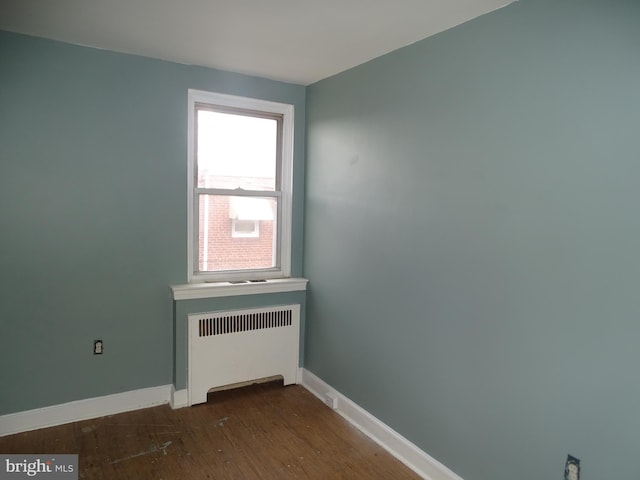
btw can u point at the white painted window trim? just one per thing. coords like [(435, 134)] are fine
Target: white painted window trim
[(286, 187), (192, 291)]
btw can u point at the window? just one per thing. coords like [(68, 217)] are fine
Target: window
[(245, 228), (240, 176)]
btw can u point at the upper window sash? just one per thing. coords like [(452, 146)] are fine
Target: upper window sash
[(251, 113)]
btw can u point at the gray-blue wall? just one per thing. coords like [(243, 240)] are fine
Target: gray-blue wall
[(93, 207), (472, 234)]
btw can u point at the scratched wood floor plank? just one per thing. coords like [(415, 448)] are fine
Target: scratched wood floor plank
[(261, 432)]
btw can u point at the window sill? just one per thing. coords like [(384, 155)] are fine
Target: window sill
[(228, 289)]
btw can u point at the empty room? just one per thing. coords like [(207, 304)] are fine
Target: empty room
[(359, 239)]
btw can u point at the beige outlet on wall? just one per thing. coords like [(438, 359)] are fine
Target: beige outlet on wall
[(572, 468)]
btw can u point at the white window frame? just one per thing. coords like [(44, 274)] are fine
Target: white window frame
[(282, 254)]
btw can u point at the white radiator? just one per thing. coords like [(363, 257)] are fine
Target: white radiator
[(242, 345)]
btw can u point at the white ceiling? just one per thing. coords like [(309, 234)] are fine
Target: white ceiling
[(297, 41)]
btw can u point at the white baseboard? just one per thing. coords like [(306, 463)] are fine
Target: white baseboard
[(84, 409), (179, 398), (401, 448)]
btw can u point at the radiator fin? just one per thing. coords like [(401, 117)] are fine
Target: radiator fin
[(244, 322)]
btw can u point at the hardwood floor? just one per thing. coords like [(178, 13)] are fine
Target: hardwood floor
[(259, 432)]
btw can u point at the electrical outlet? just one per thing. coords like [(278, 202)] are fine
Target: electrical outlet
[(98, 347), (572, 468)]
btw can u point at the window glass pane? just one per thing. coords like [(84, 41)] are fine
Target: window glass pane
[(236, 233), (236, 151)]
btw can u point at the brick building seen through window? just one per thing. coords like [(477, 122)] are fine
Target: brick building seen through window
[(236, 233)]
